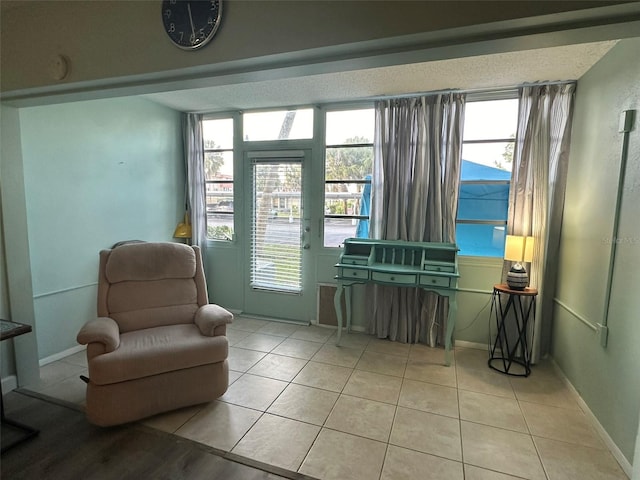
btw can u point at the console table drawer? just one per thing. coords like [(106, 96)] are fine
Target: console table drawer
[(354, 273), (434, 267), (354, 260), (433, 281), (399, 278)]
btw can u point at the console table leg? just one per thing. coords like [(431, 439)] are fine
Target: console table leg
[(347, 295), (451, 321), (337, 305)]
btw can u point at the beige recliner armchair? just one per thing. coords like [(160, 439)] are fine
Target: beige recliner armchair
[(157, 344)]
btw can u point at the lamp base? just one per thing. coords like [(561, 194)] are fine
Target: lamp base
[(517, 277)]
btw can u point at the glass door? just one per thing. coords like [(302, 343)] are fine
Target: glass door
[(278, 236)]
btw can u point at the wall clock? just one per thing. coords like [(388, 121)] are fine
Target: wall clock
[(191, 24)]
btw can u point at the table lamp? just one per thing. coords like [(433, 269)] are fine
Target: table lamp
[(518, 249), (183, 230)]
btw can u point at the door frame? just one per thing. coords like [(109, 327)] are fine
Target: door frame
[(290, 306)]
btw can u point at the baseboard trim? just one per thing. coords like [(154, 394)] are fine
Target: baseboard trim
[(9, 383), (475, 345), (613, 448), (270, 319), (61, 355), (358, 328)]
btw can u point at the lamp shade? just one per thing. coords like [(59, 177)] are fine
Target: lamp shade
[(514, 248), (183, 230), (528, 250)]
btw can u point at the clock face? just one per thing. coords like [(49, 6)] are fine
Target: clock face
[(191, 24)]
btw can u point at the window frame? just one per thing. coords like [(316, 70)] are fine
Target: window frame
[(205, 150), (318, 141), (325, 148), (485, 97)]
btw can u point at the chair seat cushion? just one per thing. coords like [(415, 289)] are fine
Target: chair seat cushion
[(157, 350)]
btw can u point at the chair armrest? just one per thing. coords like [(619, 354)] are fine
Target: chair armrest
[(102, 330), (212, 320)]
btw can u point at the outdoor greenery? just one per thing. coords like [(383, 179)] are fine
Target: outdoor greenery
[(213, 161), (286, 260), (219, 232), (507, 155), (349, 163)]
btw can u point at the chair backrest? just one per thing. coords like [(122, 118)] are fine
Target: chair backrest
[(144, 285)]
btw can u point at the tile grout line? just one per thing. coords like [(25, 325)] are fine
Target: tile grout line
[(455, 366), (342, 392)]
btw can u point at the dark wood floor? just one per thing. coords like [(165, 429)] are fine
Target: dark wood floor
[(69, 448)]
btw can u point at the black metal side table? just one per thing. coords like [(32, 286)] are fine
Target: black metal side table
[(513, 320), (9, 330)]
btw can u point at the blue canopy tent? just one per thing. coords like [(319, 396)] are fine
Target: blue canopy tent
[(485, 198), (362, 230)]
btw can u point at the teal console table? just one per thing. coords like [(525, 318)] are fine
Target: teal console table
[(428, 265)]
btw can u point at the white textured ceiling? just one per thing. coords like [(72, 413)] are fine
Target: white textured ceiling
[(568, 62)]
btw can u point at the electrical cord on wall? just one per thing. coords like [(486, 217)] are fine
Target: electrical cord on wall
[(475, 319)]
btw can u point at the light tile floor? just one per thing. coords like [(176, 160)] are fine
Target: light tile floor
[(378, 410)]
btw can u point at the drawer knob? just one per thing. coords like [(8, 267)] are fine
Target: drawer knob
[(433, 280), (355, 274), (393, 278), (438, 269)]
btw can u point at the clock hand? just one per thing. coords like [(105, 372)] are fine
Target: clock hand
[(193, 30)]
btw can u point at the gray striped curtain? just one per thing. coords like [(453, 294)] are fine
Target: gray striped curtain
[(536, 197), (195, 177), (416, 175)]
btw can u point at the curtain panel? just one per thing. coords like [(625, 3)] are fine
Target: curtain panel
[(416, 175), (195, 177), (536, 197)]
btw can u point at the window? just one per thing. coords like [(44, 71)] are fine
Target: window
[(348, 166), (487, 153), (294, 124), (218, 170)]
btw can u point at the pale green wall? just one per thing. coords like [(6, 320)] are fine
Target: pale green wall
[(16, 243), (606, 378), (95, 173), (6, 348), (478, 275)]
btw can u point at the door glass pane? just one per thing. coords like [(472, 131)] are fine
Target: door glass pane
[(276, 230)]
